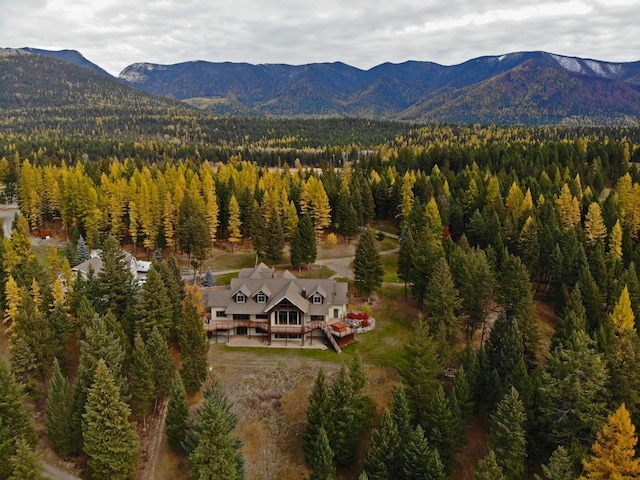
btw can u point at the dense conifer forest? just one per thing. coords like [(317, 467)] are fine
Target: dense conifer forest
[(492, 221)]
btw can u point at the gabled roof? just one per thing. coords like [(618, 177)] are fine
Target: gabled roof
[(319, 290), (244, 289), (264, 289), (290, 292), (260, 271)]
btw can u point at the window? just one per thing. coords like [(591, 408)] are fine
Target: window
[(282, 336), (317, 299), (287, 317), (336, 313), (241, 331), (261, 298), (220, 314), (262, 316), (240, 298), (241, 316), (317, 318)]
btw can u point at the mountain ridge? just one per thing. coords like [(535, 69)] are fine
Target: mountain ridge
[(532, 87)]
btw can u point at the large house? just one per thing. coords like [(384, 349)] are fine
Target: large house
[(278, 308)]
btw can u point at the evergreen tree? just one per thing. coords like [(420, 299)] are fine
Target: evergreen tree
[(464, 395), (274, 238), (382, 460), (419, 370), (177, 414), (573, 395), (507, 435), (559, 466), (419, 461), (304, 244), (515, 296), (217, 455), (115, 282), (488, 469), (82, 251), (58, 413), (316, 414), (153, 308), (573, 319), (194, 345), (25, 463), (613, 453), (367, 264), (401, 412), (110, 441), (504, 350), (99, 344), (15, 419), (61, 333), (140, 378), (209, 279), (161, 363), (322, 460), (235, 235), (442, 303), (172, 279), (440, 426), (193, 228)]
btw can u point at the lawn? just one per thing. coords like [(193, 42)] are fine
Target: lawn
[(390, 265), (229, 261), (387, 243), (225, 278)]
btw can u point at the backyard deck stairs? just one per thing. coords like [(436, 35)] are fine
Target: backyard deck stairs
[(331, 338)]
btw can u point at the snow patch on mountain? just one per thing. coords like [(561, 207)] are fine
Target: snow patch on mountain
[(567, 63), (138, 72)]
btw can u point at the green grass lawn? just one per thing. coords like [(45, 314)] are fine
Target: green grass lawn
[(390, 265), (230, 261), (318, 272), (387, 227), (387, 243), (225, 279)]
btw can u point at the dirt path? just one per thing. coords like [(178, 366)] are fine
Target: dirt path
[(153, 436), (49, 471)]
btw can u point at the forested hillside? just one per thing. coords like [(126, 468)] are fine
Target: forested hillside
[(492, 222)]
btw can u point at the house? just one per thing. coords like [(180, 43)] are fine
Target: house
[(278, 308), (95, 263)]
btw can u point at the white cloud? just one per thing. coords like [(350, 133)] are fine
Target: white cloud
[(115, 33)]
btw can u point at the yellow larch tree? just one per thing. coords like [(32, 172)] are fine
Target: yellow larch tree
[(622, 316), (594, 224), (613, 455), (12, 294), (314, 201), (615, 240), (235, 235), (169, 220), (406, 198), (514, 201), (568, 207), (623, 188)]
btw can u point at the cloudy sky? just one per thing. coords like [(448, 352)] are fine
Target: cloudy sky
[(362, 33)]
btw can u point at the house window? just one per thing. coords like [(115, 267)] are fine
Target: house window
[(290, 336), (241, 331), (220, 314), (262, 316), (240, 298), (317, 318), (241, 316), (336, 313), (317, 299), (261, 298), (287, 317)]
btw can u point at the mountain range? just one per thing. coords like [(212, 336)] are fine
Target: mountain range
[(516, 88)]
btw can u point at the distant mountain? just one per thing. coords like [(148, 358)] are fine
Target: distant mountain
[(70, 56), (525, 87)]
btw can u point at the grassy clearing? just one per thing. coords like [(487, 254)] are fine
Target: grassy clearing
[(230, 261), (387, 227), (339, 250), (225, 279), (390, 265), (387, 243), (315, 272)]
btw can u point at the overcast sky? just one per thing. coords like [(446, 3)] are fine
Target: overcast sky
[(362, 33)]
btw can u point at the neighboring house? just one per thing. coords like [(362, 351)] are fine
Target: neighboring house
[(278, 308), (95, 263)]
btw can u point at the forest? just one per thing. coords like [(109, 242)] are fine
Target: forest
[(492, 222)]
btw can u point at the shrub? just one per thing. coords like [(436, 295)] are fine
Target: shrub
[(331, 239)]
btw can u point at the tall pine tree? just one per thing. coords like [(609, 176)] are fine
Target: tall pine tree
[(367, 264)]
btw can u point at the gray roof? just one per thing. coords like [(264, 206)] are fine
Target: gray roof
[(277, 288)]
